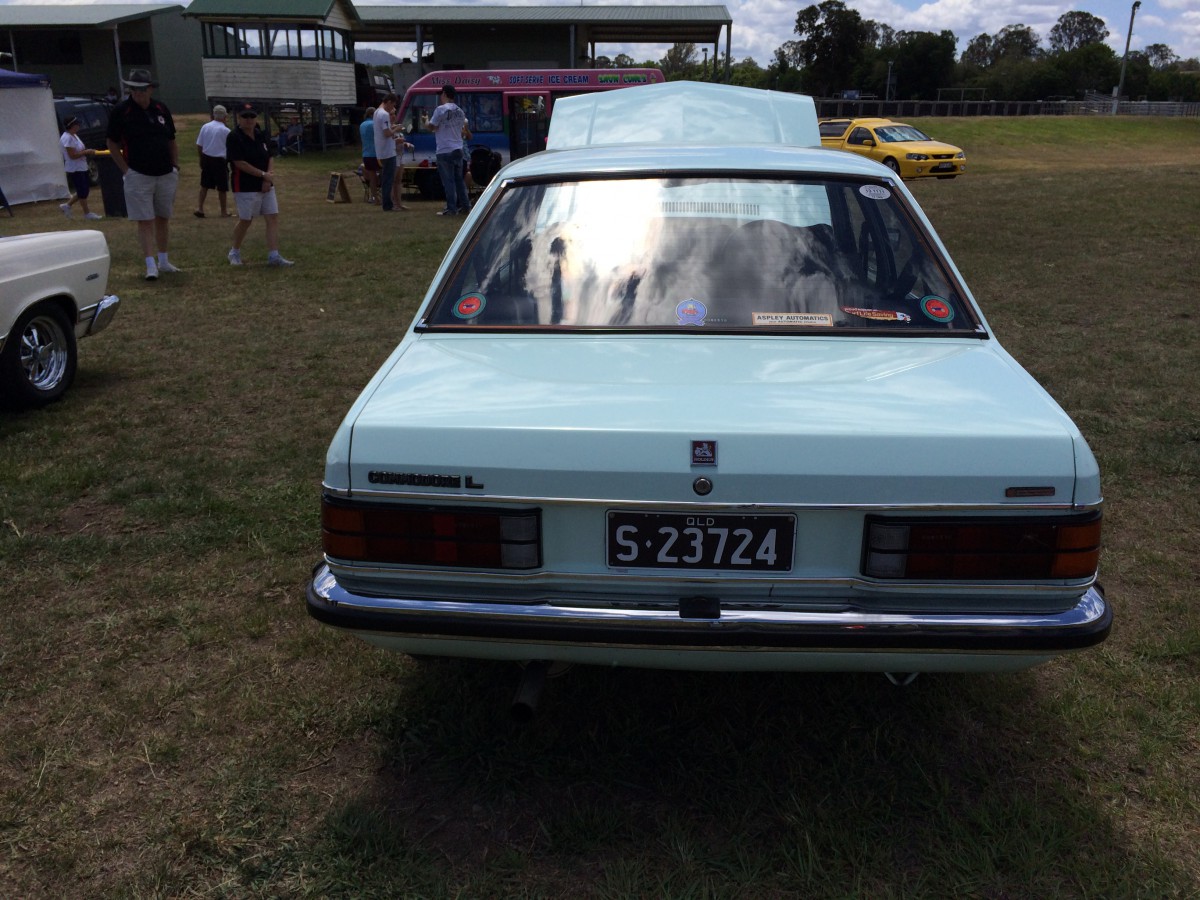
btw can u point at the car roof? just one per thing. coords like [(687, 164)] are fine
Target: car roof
[(683, 113)]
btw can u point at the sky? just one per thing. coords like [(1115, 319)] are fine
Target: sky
[(759, 26)]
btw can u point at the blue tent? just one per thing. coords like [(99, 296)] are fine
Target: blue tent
[(21, 79)]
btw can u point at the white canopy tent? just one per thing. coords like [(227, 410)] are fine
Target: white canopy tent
[(31, 166)]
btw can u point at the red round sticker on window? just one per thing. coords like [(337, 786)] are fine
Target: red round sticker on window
[(469, 306), (937, 309)]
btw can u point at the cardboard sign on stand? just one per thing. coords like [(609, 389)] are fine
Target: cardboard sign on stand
[(338, 192)]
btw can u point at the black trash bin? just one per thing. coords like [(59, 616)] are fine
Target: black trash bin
[(428, 183), (112, 186)]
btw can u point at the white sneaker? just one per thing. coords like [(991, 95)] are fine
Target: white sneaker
[(235, 257), (278, 261), (66, 209), (167, 269), (93, 217), (151, 272)]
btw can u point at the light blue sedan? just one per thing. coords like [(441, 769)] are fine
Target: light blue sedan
[(672, 404)]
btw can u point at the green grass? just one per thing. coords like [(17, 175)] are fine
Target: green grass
[(173, 724)]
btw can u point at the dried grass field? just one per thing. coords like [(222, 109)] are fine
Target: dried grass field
[(172, 724)]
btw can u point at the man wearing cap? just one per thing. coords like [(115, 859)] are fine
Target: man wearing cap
[(141, 136), (214, 170), (250, 163)]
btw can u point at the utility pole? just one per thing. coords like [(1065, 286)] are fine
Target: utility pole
[(1124, 59)]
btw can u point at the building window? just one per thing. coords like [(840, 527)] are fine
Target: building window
[(282, 42), (136, 53), (49, 48)]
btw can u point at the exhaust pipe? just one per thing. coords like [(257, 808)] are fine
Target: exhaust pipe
[(529, 691)]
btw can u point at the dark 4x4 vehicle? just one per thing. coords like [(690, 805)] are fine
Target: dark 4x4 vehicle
[(94, 116)]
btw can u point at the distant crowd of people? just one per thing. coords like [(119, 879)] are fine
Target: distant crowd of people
[(382, 138), (141, 141)]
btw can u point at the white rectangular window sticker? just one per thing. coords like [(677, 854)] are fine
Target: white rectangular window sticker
[(764, 318)]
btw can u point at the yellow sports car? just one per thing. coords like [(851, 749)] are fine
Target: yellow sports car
[(907, 151)]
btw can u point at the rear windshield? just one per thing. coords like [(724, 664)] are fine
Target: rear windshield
[(725, 253)]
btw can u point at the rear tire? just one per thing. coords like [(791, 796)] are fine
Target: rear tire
[(93, 172), (39, 358)]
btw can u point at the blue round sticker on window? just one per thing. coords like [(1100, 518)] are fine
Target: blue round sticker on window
[(691, 312)]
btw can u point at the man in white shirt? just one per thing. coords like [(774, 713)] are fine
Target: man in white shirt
[(448, 124), (214, 170), (385, 149)]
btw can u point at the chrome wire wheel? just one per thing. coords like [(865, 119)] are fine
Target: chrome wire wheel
[(44, 352)]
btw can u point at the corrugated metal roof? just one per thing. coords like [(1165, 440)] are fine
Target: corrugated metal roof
[(715, 14), (607, 24), (90, 15), (291, 10), (263, 9)]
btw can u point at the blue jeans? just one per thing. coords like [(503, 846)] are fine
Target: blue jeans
[(450, 170), (386, 176)]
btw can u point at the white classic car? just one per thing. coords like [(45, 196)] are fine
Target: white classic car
[(671, 404), (52, 292)]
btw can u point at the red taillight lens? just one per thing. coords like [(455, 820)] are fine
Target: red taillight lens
[(982, 549), (431, 535)]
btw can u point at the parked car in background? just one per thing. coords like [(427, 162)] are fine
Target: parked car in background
[(673, 403), (905, 150), (93, 114), (370, 86), (52, 292)]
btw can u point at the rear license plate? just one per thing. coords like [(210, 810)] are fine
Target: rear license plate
[(710, 542)]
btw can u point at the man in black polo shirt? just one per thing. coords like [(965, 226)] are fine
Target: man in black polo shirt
[(141, 136), (249, 154)]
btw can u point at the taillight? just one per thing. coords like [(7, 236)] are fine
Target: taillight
[(982, 549), (431, 535)]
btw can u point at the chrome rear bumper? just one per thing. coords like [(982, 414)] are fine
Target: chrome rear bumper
[(849, 631)]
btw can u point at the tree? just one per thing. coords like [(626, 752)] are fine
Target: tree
[(783, 74), (980, 52), (834, 42), (1076, 29), (1016, 42), (748, 73), (1161, 56), (922, 62), (1092, 67), (679, 62)]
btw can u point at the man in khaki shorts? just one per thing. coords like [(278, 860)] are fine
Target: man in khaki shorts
[(141, 137), (251, 164)]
